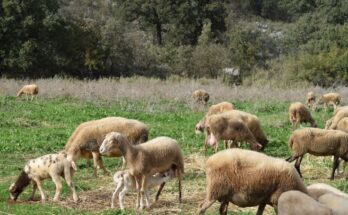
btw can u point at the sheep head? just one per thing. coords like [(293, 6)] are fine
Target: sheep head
[(199, 127), (113, 144), (18, 187)]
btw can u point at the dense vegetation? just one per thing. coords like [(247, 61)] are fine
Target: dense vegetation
[(283, 40)]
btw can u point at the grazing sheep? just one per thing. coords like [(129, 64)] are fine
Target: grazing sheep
[(31, 89), (318, 142), (214, 109), (123, 179), (330, 99), (298, 113), (319, 189), (146, 159), (200, 96), (343, 124), (247, 178), (337, 203), (294, 203), (310, 100), (88, 136), (48, 166)]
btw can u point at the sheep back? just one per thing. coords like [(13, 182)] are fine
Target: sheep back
[(248, 178)]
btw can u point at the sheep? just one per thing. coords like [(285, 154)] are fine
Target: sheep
[(31, 89), (123, 179), (330, 99), (319, 189), (318, 142), (298, 113), (87, 138), (47, 166), (337, 203), (310, 100), (333, 122), (247, 178), (343, 124), (146, 159), (214, 109), (294, 202), (200, 96)]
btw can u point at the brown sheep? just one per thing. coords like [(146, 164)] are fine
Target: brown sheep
[(294, 202), (310, 100), (330, 99), (318, 142), (226, 127), (146, 159), (200, 96), (333, 122), (31, 89), (343, 124), (214, 109), (247, 178), (87, 137), (298, 113)]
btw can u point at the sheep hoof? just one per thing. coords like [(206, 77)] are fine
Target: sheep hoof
[(55, 199)]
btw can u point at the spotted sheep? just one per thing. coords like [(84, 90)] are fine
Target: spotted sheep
[(48, 166)]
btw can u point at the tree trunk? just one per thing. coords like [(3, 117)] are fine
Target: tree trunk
[(158, 27)]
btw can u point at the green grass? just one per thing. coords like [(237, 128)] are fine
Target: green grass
[(31, 129)]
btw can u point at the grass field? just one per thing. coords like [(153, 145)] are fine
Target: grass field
[(29, 129)]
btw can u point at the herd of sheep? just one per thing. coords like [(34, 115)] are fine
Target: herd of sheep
[(243, 177)]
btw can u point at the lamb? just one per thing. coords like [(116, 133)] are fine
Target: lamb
[(294, 202), (310, 100), (330, 99), (319, 189), (318, 142), (123, 179), (298, 113), (48, 166), (337, 203), (200, 96), (31, 89), (214, 109), (146, 159), (87, 137), (247, 178)]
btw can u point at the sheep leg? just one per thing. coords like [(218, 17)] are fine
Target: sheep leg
[(223, 208), (101, 165), (179, 184), (121, 196), (142, 193), (291, 159), (31, 198), (124, 163), (205, 205), (95, 163), (38, 183), (58, 183), (260, 209), (68, 172), (159, 191), (118, 187), (298, 164), (138, 184), (334, 167)]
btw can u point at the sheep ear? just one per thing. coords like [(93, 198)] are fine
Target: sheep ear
[(12, 187)]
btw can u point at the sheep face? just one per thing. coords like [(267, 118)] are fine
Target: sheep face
[(112, 144), (17, 188)]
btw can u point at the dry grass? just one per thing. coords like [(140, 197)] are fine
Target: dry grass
[(152, 90)]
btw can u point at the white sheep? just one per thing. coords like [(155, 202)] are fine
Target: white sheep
[(88, 136), (48, 166), (146, 159), (337, 203), (319, 189), (125, 181), (294, 202), (248, 178), (318, 142), (31, 89)]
